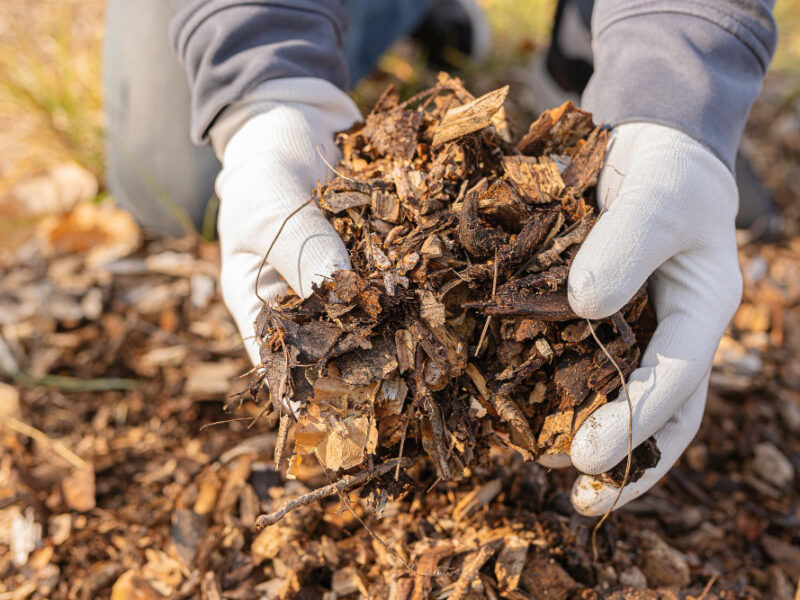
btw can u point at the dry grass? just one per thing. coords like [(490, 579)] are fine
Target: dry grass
[(50, 91)]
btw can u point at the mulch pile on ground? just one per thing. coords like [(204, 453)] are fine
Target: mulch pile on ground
[(452, 333), (118, 355)]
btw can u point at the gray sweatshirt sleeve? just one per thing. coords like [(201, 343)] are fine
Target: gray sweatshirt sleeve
[(228, 47), (696, 65)]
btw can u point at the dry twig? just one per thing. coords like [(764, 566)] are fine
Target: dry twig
[(41, 437), (630, 441), (346, 483)]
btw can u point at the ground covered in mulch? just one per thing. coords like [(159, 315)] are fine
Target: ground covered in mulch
[(118, 358)]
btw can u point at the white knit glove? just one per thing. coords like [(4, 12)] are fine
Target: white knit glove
[(269, 145), (669, 216)]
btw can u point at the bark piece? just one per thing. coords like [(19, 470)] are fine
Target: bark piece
[(582, 172), (557, 426), (431, 309), (406, 349), (502, 204), (510, 562), (546, 579), (509, 412), (556, 130), (469, 572), (385, 206), (394, 132), (477, 237), (337, 202), (470, 117), (531, 237), (571, 377), (536, 179), (645, 456), (362, 367)]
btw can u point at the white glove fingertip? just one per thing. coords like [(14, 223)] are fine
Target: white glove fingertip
[(555, 461), (588, 297), (592, 497), (237, 279), (319, 255), (594, 448)]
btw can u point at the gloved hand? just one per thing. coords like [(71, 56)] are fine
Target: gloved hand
[(669, 208), (270, 145)]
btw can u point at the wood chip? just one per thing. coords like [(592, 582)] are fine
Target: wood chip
[(470, 117)]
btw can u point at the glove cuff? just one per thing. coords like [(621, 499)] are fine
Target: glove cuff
[(317, 99)]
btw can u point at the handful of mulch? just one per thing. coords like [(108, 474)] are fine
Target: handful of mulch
[(452, 333)]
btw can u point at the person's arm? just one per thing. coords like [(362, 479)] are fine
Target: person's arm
[(266, 82), (694, 65), (230, 47), (676, 80)]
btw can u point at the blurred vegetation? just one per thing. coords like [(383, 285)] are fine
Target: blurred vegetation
[(50, 91), (51, 56)]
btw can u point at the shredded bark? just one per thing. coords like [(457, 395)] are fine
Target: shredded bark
[(459, 246)]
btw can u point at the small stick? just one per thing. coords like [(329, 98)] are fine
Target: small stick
[(215, 423), (423, 94), (280, 443), (707, 588), (483, 335), (375, 536), (263, 411), (489, 318), (630, 441), (41, 437), (433, 485), (346, 483)]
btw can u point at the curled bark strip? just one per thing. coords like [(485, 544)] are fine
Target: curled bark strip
[(280, 443), (477, 237)]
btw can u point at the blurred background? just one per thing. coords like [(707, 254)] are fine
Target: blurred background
[(51, 94), (116, 351)]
